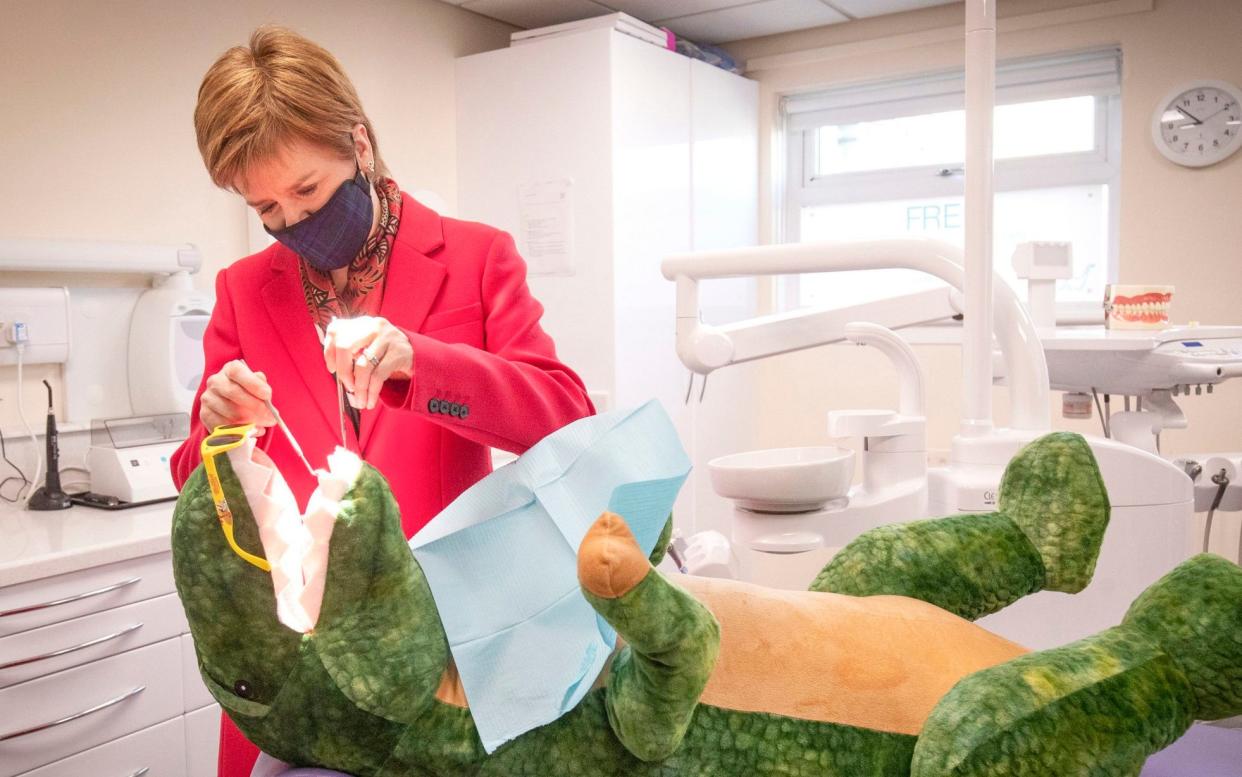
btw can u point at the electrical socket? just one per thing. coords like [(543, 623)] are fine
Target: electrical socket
[(18, 333), (44, 315)]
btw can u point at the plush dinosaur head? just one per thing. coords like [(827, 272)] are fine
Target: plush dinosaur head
[(376, 652)]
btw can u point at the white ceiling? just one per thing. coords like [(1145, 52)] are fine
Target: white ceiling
[(702, 21)]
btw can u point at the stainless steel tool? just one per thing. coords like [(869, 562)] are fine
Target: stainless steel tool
[(289, 436)]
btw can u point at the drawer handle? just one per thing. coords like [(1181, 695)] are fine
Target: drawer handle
[(68, 599), (74, 716), (141, 772), (63, 651)]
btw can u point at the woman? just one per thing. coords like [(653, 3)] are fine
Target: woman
[(425, 322)]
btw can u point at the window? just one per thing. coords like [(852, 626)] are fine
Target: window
[(886, 160)]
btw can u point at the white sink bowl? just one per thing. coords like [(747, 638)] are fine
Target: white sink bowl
[(784, 480)]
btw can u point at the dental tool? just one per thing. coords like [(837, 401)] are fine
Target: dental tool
[(289, 436), (340, 390), (340, 408)]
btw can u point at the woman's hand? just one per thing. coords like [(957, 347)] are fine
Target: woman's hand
[(365, 352), (236, 395)]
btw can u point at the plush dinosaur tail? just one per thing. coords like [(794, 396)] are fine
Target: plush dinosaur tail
[(1101, 705), (1045, 535)]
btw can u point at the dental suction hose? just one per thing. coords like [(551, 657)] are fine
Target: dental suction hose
[(1221, 480)]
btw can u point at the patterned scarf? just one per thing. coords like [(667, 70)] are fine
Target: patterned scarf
[(364, 290)]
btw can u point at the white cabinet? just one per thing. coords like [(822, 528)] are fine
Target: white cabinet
[(196, 694), (657, 154), (97, 675), (202, 741), (78, 641), (56, 599), (144, 754)]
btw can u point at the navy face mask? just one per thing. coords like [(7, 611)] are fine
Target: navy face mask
[(332, 236)]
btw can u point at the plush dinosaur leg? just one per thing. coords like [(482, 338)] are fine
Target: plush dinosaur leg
[(662, 542), (1045, 535), (1102, 705), (671, 640)]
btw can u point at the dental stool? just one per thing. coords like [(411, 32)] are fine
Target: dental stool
[(267, 766)]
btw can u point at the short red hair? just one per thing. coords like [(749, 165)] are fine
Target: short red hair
[(284, 87)]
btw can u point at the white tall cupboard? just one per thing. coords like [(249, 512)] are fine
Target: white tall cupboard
[(654, 153)]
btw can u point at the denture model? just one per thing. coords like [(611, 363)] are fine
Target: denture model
[(1137, 307)]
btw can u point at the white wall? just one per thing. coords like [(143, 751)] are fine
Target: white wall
[(1178, 226), (96, 118)]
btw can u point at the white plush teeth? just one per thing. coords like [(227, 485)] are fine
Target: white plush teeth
[(296, 544), (343, 468), (320, 518), (288, 565), (252, 475)]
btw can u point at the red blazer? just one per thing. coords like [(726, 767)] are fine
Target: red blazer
[(458, 291), (485, 373)]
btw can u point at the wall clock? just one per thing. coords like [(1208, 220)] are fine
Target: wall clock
[(1199, 124)]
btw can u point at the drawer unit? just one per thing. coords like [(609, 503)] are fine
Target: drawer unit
[(202, 741), (97, 672), (196, 694), (147, 753), (57, 715), (42, 602), (36, 652)]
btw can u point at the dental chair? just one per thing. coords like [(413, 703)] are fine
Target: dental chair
[(1205, 751), (267, 766)]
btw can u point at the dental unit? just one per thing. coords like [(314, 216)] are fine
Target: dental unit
[(1137, 356), (1152, 500), (1148, 368), (1153, 367)]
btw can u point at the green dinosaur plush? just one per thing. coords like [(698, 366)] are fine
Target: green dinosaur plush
[(860, 677)]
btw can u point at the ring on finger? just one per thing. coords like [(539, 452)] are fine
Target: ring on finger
[(371, 357)]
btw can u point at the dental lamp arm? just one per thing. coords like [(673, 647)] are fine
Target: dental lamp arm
[(705, 348)]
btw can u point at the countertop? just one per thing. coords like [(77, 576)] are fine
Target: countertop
[(35, 545)]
